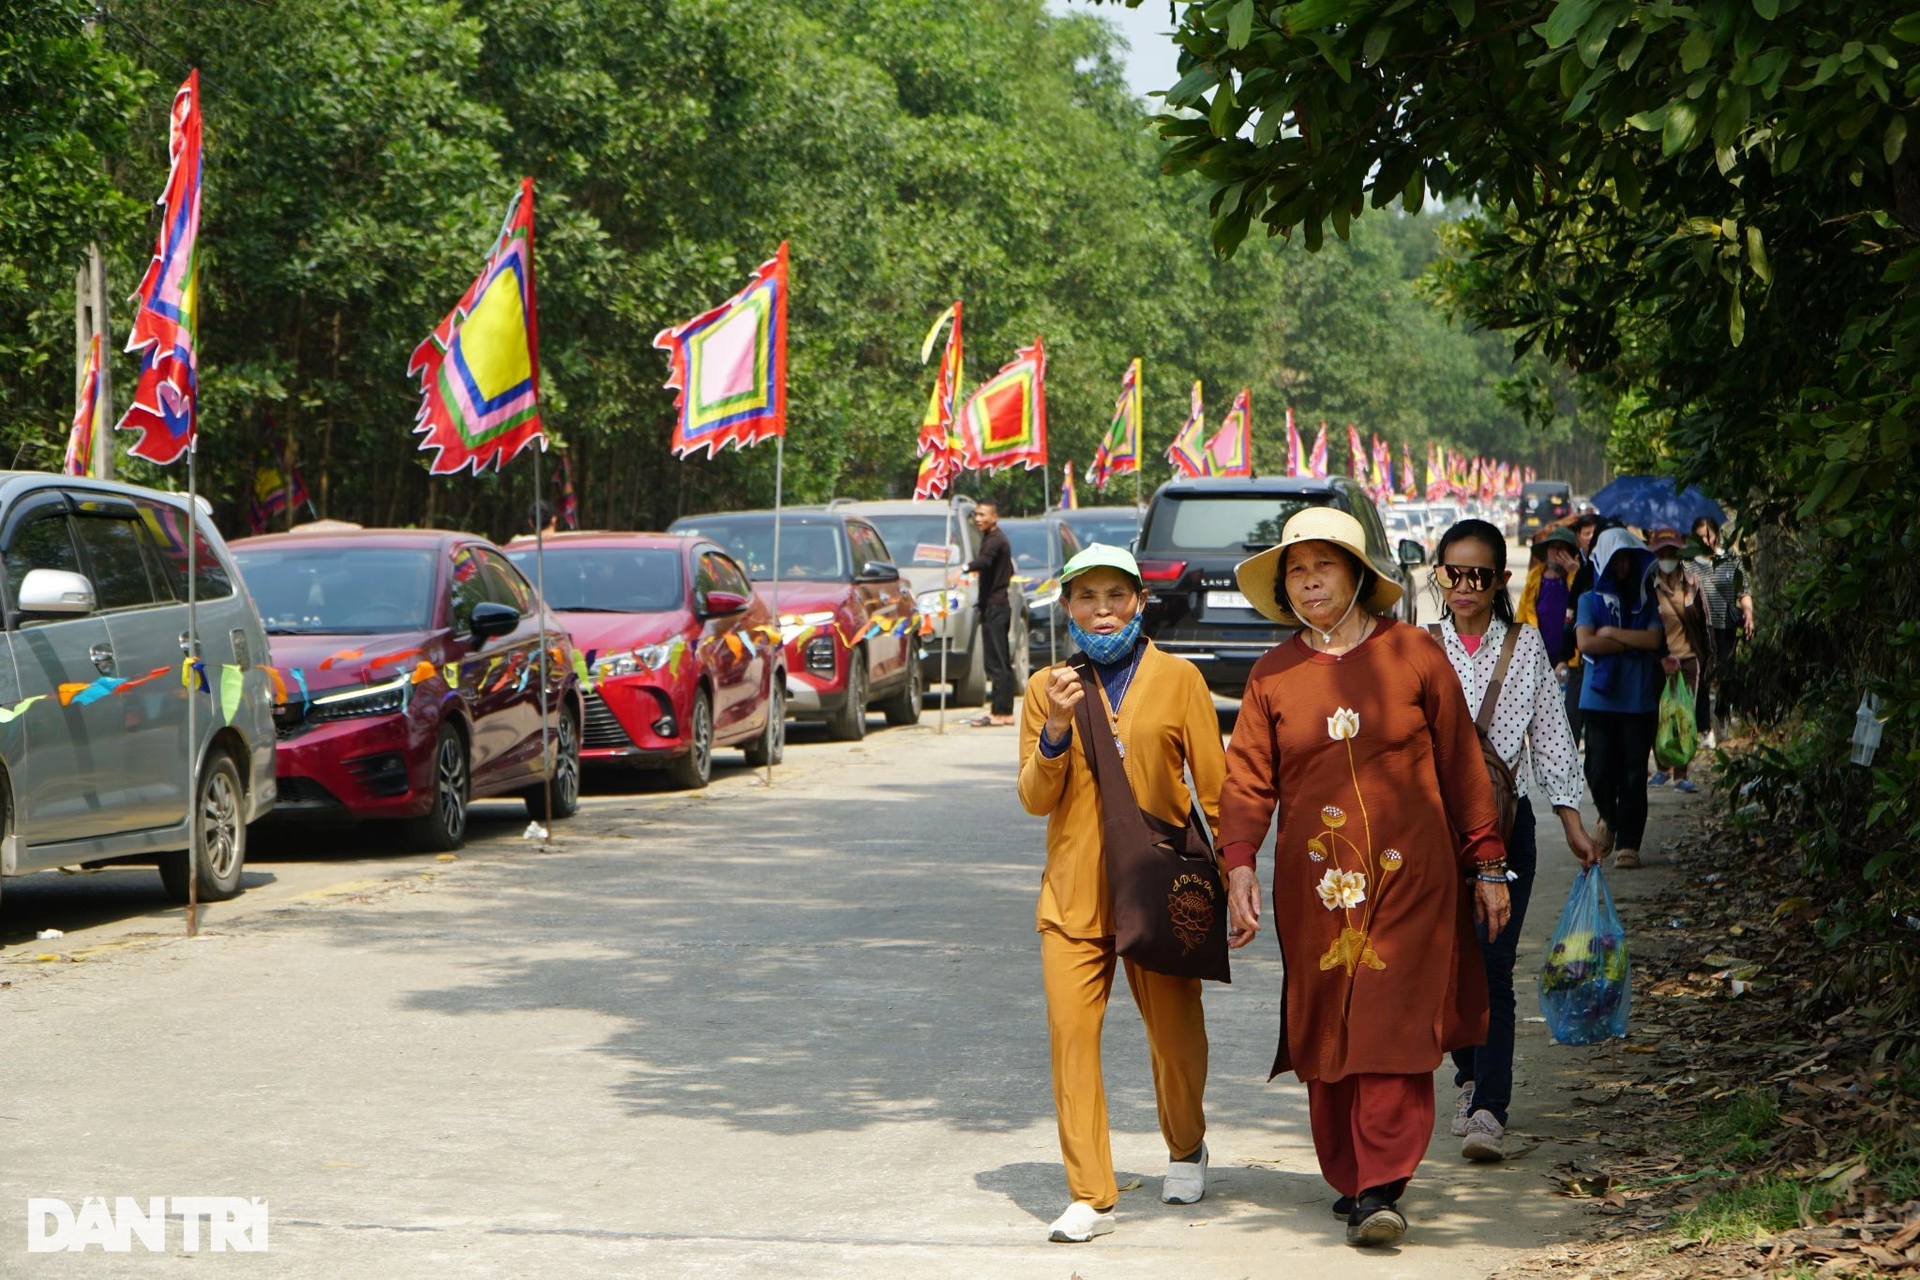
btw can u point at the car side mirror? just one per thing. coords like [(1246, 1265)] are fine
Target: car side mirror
[(721, 603), (878, 571), (56, 591), (1411, 552), (491, 620)]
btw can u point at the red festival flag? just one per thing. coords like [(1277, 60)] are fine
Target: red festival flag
[(941, 455), (1230, 452), (479, 369), (1188, 452), (1356, 456), (165, 404), (1317, 460), (729, 366), (1005, 422)]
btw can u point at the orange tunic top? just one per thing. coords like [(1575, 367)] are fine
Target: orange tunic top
[(1373, 764), (1168, 724)]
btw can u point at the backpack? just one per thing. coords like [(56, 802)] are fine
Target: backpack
[(1506, 791)]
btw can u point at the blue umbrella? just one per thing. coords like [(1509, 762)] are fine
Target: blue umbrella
[(1649, 502)]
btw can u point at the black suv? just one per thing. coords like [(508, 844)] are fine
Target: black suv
[(1196, 531)]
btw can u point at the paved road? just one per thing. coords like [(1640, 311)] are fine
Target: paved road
[(785, 1031)]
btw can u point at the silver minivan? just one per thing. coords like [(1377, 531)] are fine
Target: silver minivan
[(93, 578)]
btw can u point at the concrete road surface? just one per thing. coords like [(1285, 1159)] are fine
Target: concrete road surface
[(793, 1031)]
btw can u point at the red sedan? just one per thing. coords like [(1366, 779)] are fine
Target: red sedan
[(412, 665), (684, 654)]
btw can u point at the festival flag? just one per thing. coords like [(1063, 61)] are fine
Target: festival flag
[(941, 455), (479, 369), (1296, 452), (1317, 460), (165, 404), (276, 486), (569, 504), (1408, 488), (1357, 457), (1230, 452), (80, 436), (1436, 474), (1382, 470), (1005, 422), (1119, 452), (729, 366), (1188, 452), (1069, 501)]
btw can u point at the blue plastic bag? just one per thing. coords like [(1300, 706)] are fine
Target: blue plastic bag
[(1586, 982)]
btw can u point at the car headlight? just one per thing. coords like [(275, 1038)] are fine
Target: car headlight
[(375, 702), (650, 657), (793, 624)]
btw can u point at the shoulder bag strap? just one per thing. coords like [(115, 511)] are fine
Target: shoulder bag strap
[(1490, 701), (1117, 805)]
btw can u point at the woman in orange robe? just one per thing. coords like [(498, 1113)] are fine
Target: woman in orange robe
[(1356, 732)]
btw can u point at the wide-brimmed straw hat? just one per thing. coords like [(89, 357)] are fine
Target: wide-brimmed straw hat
[(1259, 575)]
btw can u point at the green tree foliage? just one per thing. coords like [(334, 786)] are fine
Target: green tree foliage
[(1711, 211)]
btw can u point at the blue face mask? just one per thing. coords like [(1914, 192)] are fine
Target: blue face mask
[(1106, 650)]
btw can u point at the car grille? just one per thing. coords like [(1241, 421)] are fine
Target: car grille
[(602, 732), (304, 791)]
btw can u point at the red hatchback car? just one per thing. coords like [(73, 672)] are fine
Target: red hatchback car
[(684, 658), (852, 636), (412, 665)]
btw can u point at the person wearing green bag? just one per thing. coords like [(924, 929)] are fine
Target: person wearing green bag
[(1683, 617)]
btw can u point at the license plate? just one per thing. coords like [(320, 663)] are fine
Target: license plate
[(1227, 600)]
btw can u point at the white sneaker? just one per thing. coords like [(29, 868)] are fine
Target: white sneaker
[(1465, 1109), (1185, 1182), (1483, 1139), (1080, 1223)]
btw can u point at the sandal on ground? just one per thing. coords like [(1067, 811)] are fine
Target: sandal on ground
[(1626, 860)]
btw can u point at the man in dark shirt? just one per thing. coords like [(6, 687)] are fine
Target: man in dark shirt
[(994, 564)]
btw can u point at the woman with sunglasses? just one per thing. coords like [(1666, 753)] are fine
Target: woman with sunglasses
[(1529, 727), (1356, 734)]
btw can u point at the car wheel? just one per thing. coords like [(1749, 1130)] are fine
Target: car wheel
[(969, 684), (219, 835), (694, 770), (772, 747), (565, 783), (849, 723), (903, 708), (443, 828)]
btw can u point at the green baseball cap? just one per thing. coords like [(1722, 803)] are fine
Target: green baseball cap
[(1561, 534), (1099, 555)]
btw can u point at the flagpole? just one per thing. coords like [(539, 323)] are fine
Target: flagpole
[(540, 589), (946, 609), (779, 495), (195, 851), (1046, 531)]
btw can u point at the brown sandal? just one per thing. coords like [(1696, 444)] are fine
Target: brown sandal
[(1626, 860)]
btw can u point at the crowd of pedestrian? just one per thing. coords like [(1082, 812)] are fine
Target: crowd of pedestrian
[(1404, 767)]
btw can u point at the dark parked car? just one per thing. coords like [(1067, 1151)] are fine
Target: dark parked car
[(1115, 526), (1542, 503), (1041, 547), (846, 613), (684, 655), (412, 663), (1196, 531)]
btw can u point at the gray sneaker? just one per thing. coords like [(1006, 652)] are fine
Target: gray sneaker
[(1482, 1140), (1464, 1110)]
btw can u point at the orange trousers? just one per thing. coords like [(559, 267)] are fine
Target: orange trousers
[(1078, 976), (1371, 1130)]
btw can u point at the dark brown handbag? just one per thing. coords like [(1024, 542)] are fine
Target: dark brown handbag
[(1169, 902), (1506, 792)]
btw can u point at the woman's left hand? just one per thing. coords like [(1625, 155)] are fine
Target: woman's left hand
[(1669, 665), (1492, 906)]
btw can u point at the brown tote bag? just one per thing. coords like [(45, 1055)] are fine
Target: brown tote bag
[(1169, 903)]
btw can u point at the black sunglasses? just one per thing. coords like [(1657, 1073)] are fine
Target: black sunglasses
[(1475, 577)]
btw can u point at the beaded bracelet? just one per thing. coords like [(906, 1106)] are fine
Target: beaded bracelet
[(1499, 879)]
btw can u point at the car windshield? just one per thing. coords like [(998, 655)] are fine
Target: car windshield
[(1246, 523), (810, 550), (608, 579), (339, 590), (1115, 531), (1029, 540), (916, 539)]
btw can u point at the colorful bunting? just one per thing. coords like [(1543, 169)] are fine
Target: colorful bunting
[(9, 714), (1188, 452), (729, 366), (165, 405), (1230, 452), (480, 367), (1005, 421), (85, 416)]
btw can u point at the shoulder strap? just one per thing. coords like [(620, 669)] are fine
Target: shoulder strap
[(1490, 700), (1117, 803), (1433, 629)]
